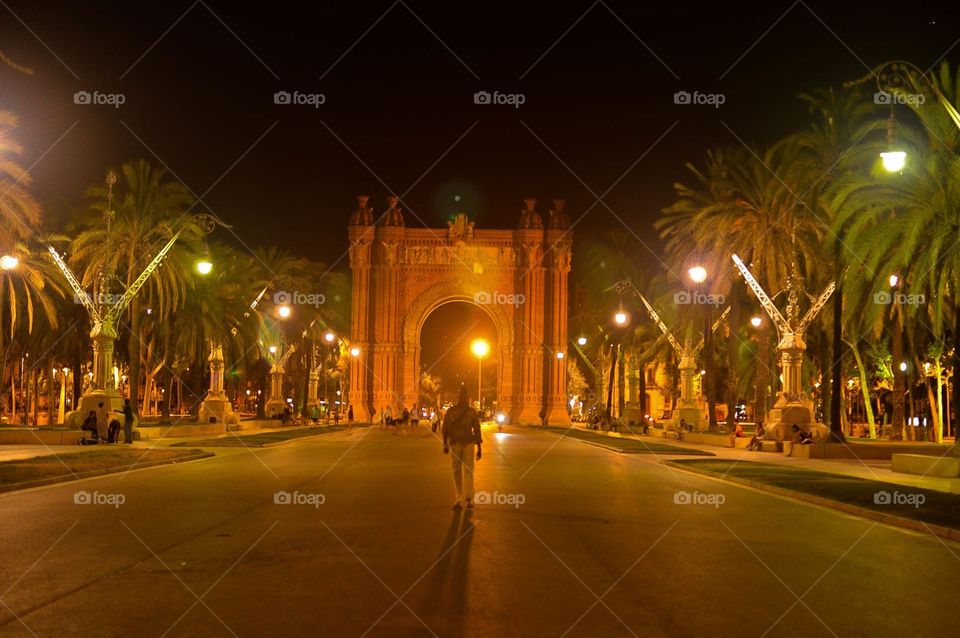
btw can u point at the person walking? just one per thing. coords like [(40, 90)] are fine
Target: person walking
[(103, 418), (127, 422), (461, 432), (350, 416)]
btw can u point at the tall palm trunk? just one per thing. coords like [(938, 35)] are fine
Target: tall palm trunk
[(864, 390), (836, 363), (133, 352), (898, 376), (733, 352), (955, 421)]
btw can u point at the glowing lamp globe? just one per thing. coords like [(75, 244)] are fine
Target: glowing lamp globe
[(893, 161), (204, 267), (354, 351), (698, 274), (284, 311), (480, 348), (8, 262)]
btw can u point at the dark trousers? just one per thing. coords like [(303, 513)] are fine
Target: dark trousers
[(128, 432)]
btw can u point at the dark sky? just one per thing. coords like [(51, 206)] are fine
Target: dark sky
[(199, 80)]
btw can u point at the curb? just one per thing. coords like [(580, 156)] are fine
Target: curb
[(889, 519), (11, 488)]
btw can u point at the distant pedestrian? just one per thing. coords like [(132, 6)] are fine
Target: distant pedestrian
[(103, 421), (127, 422), (415, 419), (350, 416), (461, 431)]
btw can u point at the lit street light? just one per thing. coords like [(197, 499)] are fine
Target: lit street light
[(582, 341), (620, 318), (894, 280), (355, 351), (8, 262), (755, 321), (480, 349), (893, 161), (329, 337), (204, 266), (284, 311), (698, 274)]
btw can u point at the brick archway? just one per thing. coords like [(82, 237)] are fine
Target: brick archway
[(518, 277)]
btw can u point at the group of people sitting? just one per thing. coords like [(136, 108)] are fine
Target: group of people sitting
[(104, 429)]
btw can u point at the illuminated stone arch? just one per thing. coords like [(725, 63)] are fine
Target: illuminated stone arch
[(518, 277)]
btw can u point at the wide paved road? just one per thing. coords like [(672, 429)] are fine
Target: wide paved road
[(598, 548)]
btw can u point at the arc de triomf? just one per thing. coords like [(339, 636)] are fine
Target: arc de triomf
[(518, 277)]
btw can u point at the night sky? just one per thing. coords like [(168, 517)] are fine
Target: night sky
[(597, 79)]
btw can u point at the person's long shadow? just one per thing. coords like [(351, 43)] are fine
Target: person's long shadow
[(448, 581)]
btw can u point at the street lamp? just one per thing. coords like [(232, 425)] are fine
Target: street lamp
[(204, 266), (480, 349), (698, 274), (329, 337), (620, 318), (8, 262), (893, 161), (894, 280), (582, 341), (560, 355), (284, 311), (354, 351), (756, 321)]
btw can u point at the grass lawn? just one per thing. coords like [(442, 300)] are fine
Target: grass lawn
[(54, 468), (624, 445), (937, 508), (264, 439)]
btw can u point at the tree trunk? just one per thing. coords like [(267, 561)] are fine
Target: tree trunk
[(864, 390), (836, 364), (955, 420), (733, 352), (898, 377), (133, 353), (51, 396)]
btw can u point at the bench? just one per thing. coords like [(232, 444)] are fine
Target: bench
[(927, 465)]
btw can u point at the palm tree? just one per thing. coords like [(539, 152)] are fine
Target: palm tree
[(907, 224), (19, 212), (149, 209)]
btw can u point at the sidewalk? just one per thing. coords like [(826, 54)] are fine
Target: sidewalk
[(877, 470)]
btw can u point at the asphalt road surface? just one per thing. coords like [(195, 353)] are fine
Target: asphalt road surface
[(580, 541)]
